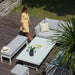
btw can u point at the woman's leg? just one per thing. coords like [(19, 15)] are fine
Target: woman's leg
[(29, 36), (22, 33)]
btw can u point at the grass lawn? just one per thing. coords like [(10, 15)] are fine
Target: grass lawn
[(42, 12)]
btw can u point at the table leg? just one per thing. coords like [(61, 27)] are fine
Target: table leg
[(1, 58), (36, 69)]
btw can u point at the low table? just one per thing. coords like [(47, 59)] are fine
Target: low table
[(39, 55)]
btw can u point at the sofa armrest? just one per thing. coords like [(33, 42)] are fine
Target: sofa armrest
[(37, 28)]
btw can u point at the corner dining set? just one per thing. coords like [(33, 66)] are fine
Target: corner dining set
[(40, 54)]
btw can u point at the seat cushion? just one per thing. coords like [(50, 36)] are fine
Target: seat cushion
[(47, 34), (15, 45), (19, 70)]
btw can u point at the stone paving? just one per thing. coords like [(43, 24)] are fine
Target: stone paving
[(7, 5)]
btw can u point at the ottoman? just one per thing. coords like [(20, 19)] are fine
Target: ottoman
[(20, 70)]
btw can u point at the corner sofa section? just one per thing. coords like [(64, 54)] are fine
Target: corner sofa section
[(53, 28)]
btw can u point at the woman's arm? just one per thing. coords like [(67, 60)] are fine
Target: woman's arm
[(22, 26), (29, 22)]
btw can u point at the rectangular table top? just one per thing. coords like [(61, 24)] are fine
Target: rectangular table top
[(39, 54)]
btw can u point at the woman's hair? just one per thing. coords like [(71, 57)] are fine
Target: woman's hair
[(24, 8)]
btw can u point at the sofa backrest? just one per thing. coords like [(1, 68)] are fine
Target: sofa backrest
[(59, 23), (53, 24)]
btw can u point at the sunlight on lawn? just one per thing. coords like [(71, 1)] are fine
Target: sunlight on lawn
[(41, 13)]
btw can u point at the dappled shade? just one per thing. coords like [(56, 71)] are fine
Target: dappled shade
[(60, 7)]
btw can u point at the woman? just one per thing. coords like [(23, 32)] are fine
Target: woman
[(25, 22)]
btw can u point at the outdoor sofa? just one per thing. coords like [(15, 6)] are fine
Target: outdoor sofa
[(53, 28), (15, 45), (53, 67)]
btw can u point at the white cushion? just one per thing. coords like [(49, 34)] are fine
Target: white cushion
[(53, 24), (47, 34), (44, 27)]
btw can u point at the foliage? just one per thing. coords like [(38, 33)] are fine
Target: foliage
[(55, 9), (68, 44), (61, 7), (31, 47), (35, 46)]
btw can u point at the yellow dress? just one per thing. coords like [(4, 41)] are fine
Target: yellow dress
[(24, 21)]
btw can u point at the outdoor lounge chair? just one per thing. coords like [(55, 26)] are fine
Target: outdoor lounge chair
[(53, 68), (15, 45)]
